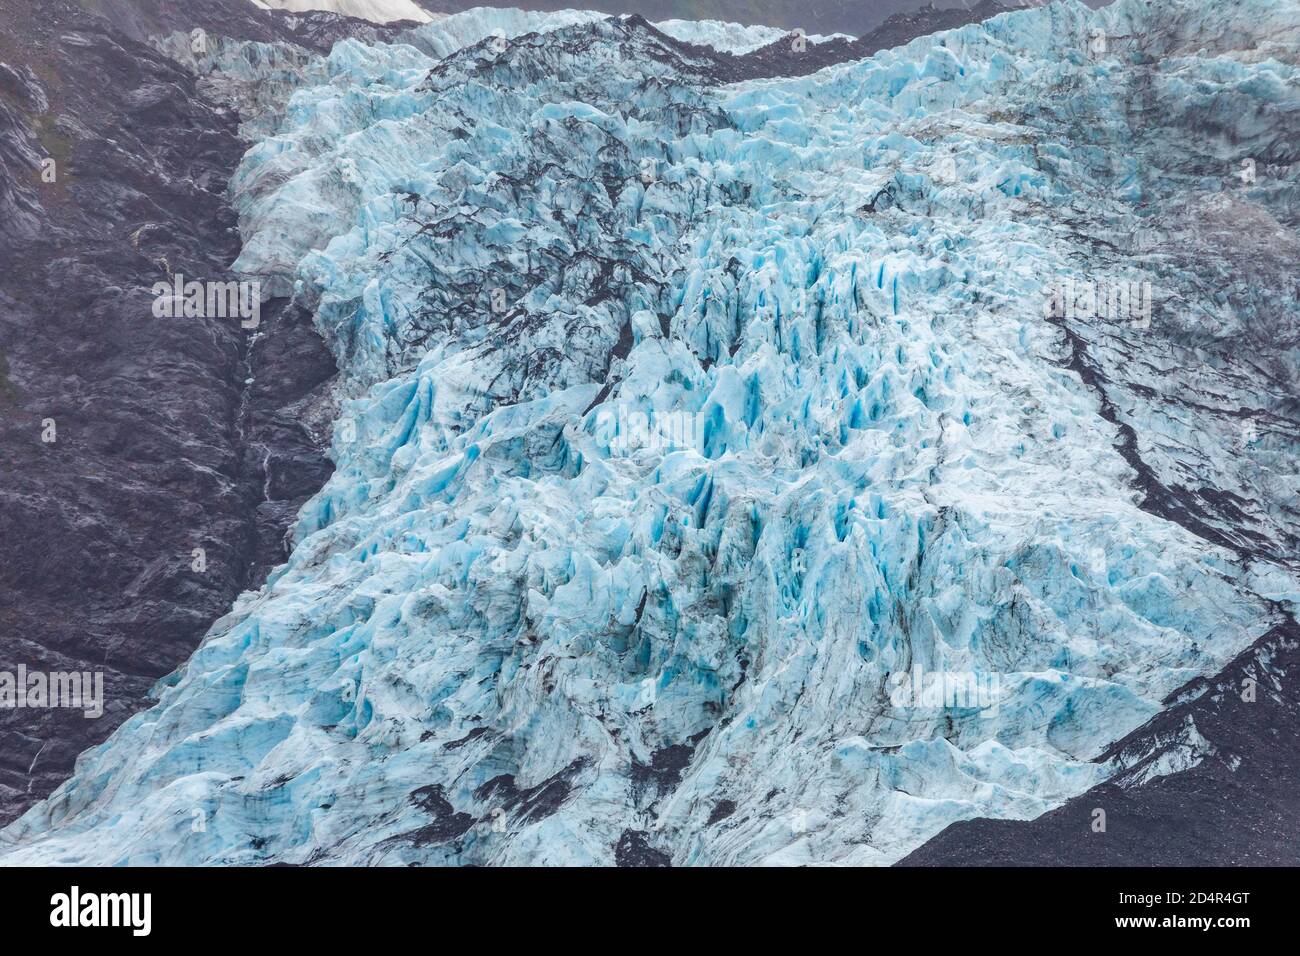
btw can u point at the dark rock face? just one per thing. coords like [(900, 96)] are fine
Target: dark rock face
[(319, 30), (1236, 807), (794, 55), (159, 445), (854, 17), (634, 850), (906, 26), (816, 16)]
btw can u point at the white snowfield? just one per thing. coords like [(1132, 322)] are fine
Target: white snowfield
[(731, 37), (682, 420), (376, 11)]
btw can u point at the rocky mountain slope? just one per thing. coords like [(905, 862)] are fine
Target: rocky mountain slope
[(166, 435), (826, 17)]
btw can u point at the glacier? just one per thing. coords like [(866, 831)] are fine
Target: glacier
[(678, 416)]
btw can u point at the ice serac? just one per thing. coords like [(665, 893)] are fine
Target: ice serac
[(517, 628)]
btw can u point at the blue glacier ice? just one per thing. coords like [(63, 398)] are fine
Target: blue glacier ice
[(519, 625)]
